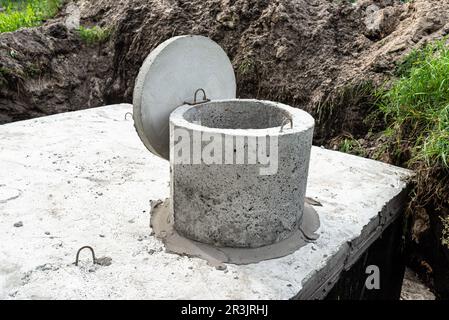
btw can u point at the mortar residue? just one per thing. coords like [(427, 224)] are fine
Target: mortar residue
[(162, 223)]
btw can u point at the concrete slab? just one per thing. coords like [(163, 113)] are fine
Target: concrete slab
[(85, 178)]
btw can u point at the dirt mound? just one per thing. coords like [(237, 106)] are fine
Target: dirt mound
[(309, 54), (298, 52), (45, 71), (305, 53)]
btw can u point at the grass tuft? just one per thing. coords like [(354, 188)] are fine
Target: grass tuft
[(417, 105), (26, 13), (95, 34), (352, 146), (246, 66)]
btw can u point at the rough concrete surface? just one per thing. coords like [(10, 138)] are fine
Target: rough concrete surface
[(84, 178)]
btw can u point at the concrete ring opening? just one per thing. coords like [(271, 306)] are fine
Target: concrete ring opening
[(237, 114)]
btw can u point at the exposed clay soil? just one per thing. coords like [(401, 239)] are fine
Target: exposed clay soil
[(305, 53), (319, 55)]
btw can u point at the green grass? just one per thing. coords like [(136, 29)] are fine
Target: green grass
[(26, 13), (352, 146), (94, 35), (246, 66), (417, 105)]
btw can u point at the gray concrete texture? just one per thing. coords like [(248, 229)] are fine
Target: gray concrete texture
[(232, 203)]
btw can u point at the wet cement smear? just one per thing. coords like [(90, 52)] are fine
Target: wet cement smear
[(162, 223)]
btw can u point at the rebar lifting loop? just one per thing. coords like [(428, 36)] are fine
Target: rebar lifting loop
[(285, 122), (126, 115), (196, 95), (81, 249)]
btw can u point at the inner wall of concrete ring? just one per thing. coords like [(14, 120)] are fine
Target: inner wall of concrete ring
[(234, 205)]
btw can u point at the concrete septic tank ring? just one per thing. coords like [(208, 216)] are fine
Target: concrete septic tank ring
[(236, 199), (168, 78)]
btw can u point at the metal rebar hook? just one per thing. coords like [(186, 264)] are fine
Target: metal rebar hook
[(126, 115), (285, 122), (81, 249), (195, 97), (196, 94)]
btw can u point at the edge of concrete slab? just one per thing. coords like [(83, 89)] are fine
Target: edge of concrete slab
[(317, 286)]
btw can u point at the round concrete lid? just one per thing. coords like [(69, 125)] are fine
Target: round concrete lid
[(169, 77)]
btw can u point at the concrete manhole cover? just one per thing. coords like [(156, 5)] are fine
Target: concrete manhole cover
[(169, 77)]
